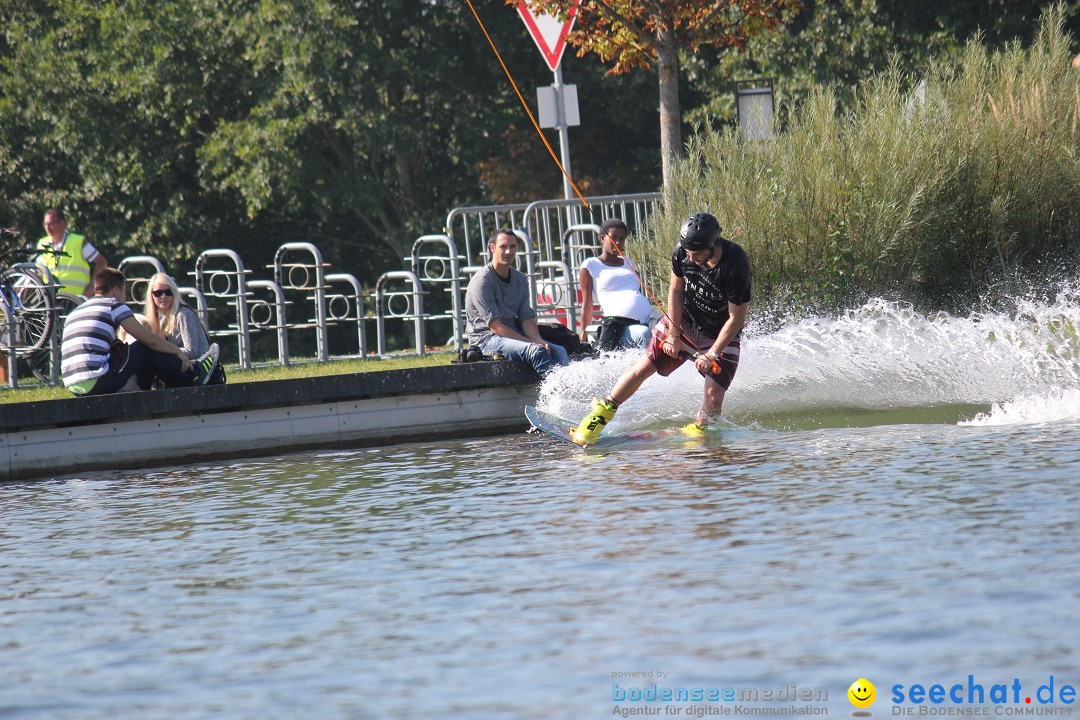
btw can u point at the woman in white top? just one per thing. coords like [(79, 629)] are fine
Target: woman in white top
[(612, 280)]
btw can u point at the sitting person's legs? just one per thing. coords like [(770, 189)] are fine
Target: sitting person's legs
[(559, 355), (536, 355), (145, 365), (636, 336), (167, 369), (122, 367), (619, 333)]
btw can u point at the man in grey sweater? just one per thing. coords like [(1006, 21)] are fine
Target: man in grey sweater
[(499, 315)]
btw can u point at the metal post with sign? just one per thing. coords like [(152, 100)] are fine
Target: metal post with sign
[(557, 104), (754, 108)]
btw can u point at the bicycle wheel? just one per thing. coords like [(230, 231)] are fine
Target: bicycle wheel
[(39, 359), (32, 308)]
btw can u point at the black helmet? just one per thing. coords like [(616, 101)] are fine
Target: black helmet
[(700, 232)]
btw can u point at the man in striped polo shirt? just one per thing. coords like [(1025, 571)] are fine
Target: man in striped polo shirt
[(89, 334)]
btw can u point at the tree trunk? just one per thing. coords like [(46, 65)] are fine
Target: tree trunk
[(670, 113)]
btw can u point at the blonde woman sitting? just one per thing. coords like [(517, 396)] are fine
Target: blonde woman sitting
[(169, 317)]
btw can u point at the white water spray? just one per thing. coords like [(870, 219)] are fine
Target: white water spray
[(1024, 366)]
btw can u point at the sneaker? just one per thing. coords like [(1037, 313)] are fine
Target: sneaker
[(590, 427), (206, 364), (693, 430)]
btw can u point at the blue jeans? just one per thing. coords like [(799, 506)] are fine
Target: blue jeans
[(636, 336), (534, 354)]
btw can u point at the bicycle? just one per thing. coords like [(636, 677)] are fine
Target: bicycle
[(31, 311)]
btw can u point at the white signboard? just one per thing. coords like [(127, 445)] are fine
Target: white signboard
[(547, 104)]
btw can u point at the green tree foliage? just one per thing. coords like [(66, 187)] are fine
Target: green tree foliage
[(213, 123), (168, 126), (933, 188), (103, 107), (836, 44), (636, 34), (365, 119)]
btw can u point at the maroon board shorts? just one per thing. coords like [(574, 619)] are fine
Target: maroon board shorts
[(665, 364)]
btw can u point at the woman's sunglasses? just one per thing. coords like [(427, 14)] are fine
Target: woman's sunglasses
[(162, 293)]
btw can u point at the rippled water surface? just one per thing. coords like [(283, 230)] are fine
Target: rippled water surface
[(512, 577)]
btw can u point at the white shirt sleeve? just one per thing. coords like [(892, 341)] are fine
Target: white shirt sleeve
[(89, 252)]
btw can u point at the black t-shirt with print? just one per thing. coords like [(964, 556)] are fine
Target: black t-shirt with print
[(709, 290)]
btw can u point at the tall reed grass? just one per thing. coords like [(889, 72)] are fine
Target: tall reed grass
[(930, 188)]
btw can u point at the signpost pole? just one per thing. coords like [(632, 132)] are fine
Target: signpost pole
[(549, 33), (564, 136)]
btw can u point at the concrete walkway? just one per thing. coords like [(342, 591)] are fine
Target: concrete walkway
[(164, 427)]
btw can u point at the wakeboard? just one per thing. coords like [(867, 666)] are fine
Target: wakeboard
[(560, 428)]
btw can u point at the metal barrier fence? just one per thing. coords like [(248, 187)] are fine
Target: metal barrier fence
[(264, 316), (545, 221), (348, 307), (552, 243), (470, 227)]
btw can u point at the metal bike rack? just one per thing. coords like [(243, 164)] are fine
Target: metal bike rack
[(255, 319), (442, 270), (348, 307), (412, 309), (230, 285), (139, 280), (298, 276)]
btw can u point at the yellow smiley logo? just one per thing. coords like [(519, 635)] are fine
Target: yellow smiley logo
[(862, 693)]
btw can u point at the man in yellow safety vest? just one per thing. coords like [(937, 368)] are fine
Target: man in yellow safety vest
[(75, 270)]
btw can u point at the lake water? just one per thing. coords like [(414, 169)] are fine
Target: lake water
[(892, 497)]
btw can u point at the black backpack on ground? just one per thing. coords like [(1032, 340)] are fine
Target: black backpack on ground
[(561, 335)]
